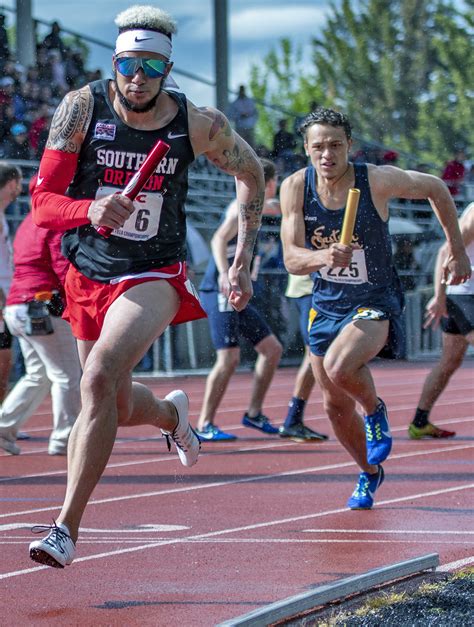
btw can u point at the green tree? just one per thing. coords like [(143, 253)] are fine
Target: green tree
[(402, 70)]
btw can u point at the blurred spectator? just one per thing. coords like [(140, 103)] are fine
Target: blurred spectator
[(48, 348), (7, 89), (7, 119), (53, 40), (284, 144), (390, 157), (32, 76), (39, 127), (263, 152), (10, 189), (58, 71), (75, 70), (45, 74), (405, 262), (17, 146), (4, 45), (453, 172), (243, 113)]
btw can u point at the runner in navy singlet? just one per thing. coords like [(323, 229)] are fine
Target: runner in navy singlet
[(357, 298), (228, 327), (123, 291)]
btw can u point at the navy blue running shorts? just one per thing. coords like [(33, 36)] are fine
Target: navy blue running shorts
[(228, 326), (324, 330), (460, 320)]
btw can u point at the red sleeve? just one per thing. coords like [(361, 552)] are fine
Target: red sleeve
[(51, 209)]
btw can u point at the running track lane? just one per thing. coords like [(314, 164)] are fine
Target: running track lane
[(256, 521)]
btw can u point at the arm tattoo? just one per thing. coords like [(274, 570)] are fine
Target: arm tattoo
[(219, 123), (250, 215), (70, 122)]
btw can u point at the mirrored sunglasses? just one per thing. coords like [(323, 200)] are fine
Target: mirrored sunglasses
[(129, 66)]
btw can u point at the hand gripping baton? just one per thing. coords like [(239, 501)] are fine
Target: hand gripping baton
[(141, 176), (350, 216)]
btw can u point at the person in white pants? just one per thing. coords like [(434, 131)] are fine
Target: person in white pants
[(51, 364), (47, 344)]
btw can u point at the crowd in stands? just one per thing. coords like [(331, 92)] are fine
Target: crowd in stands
[(30, 95)]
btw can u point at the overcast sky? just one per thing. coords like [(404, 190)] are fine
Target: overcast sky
[(254, 27)]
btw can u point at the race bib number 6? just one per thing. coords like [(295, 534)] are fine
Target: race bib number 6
[(354, 274), (143, 223)]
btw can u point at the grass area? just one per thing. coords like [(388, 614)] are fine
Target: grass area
[(449, 601)]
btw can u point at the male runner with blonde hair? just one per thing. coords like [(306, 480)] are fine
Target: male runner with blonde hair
[(123, 291)]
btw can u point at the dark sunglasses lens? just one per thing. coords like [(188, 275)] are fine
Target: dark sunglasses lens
[(129, 66), (126, 66), (154, 67)]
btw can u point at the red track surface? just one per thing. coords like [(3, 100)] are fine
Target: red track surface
[(256, 521)]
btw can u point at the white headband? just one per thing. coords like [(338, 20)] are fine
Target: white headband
[(146, 41), (143, 41)]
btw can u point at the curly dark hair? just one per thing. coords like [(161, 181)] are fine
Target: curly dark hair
[(321, 115)]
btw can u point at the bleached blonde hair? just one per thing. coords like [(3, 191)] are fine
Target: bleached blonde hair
[(146, 17)]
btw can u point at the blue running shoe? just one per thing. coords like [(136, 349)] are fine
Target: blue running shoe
[(212, 433), (260, 422), (363, 495), (377, 435)]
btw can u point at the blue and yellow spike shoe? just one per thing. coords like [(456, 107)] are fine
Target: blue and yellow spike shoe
[(363, 495), (377, 435)]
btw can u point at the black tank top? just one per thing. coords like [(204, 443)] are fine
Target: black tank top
[(155, 234)]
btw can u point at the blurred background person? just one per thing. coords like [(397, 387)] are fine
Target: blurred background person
[(244, 115), (299, 290), (48, 347), (229, 327), (10, 189), (454, 171), (453, 307)]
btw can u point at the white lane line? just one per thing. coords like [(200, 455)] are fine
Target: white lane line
[(467, 561), (421, 532), (252, 527), (218, 484), (150, 528)]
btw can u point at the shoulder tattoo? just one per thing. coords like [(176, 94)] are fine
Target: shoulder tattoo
[(70, 121)]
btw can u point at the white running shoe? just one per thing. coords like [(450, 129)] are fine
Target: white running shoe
[(183, 435), (56, 550)]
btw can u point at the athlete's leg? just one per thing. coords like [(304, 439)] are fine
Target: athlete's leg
[(346, 360), (269, 354), (452, 355), (341, 410), (131, 324), (227, 360), (304, 381)]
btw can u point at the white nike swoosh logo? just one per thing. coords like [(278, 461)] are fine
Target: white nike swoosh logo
[(40, 180), (176, 135), (387, 434)]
